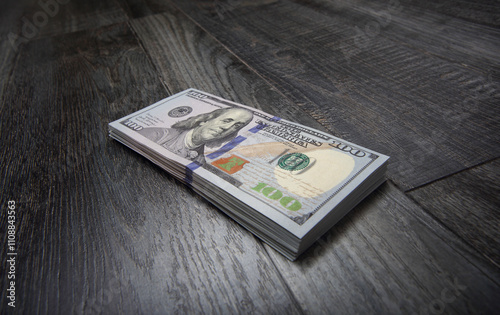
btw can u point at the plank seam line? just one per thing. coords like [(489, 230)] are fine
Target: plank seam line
[(150, 59), (481, 262), (451, 174), (282, 279), (469, 247)]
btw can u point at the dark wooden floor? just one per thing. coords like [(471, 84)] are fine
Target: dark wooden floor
[(102, 230)]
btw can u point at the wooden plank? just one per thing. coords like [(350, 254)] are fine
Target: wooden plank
[(428, 29), (416, 107), (422, 23), (186, 56), (485, 12), (389, 257), (99, 228), (468, 203)]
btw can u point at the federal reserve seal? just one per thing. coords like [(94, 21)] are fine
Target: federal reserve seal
[(293, 161), (180, 111)]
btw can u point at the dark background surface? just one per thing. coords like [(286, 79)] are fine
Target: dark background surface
[(100, 229)]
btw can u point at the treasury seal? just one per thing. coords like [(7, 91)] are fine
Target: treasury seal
[(180, 111), (293, 161)]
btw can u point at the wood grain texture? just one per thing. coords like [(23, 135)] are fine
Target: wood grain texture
[(485, 12), (433, 116), (101, 229), (469, 204), (53, 17), (424, 27), (387, 257), (188, 57)]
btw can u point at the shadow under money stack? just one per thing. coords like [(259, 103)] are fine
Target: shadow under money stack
[(285, 182)]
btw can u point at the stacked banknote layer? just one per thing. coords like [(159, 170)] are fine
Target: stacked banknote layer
[(285, 182)]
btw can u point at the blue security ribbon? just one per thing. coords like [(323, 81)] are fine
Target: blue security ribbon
[(189, 171), (227, 147)]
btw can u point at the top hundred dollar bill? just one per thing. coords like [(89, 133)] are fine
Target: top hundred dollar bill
[(291, 173)]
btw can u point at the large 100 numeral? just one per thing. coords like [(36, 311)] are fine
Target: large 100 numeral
[(274, 194)]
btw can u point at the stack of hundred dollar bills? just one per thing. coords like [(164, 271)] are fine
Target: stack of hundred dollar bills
[(285, 182)]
